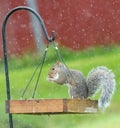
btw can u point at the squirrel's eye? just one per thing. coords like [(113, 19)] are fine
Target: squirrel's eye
[(53, 68)]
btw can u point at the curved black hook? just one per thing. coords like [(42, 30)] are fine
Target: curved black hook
[(50, 39)]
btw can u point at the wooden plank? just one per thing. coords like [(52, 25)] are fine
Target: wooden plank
[(82, 106), (51, 106)]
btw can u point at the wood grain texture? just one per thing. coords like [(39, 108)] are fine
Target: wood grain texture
[(51, 106)]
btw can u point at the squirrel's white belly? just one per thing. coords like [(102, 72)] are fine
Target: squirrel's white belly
[(67, 84), (56, 76)]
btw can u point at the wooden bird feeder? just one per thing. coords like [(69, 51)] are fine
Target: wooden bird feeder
[(41, 106), (51, 106)]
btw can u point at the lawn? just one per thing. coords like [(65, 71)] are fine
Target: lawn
[(21, 69)]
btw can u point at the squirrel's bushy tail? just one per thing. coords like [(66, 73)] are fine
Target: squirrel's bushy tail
[(101, 78)]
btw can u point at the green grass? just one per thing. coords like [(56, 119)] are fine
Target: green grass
[(22, 68)]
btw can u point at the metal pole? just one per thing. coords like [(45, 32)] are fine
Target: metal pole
[(6, 68), (50, 39)]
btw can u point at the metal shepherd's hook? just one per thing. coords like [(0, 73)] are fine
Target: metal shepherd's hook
[(50, 39)]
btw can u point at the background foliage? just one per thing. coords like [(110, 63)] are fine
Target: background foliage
[(21, 69)]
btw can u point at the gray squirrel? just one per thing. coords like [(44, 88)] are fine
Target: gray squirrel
[(79, 87)]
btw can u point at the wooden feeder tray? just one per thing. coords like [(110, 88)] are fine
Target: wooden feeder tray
[(52, 106)]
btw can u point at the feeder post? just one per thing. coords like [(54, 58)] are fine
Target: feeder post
[(50, 39), (6, 66)]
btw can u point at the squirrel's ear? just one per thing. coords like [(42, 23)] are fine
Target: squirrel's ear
[(57, 63)]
